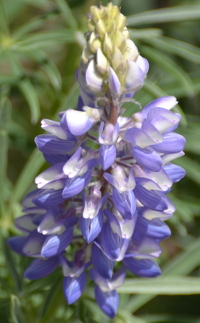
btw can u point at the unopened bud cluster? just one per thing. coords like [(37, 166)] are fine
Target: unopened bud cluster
[(110, 203)]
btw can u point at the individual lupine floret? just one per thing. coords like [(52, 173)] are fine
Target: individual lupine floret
[(105, 291)]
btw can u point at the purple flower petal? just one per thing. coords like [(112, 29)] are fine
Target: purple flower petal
[(138, 137), (50, 144), (151, 131), (49, 175), (76, 185), (166, 102), (125, 203), (48, 198), (33, 244), (147, 158), (73, 287), (54, 159), (172, 143), (25, 223), (40, 268), (143, 247), (142, 267), (55, 244), (163, 120), (107, 301), (28, 200), (153, 199), (79, 122), (102, 264), (17, 244), (107, 155), (91, 228), (175, 172), (155, 228)]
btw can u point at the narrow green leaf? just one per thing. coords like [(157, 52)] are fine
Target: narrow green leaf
[(48, 66), (5, 111), (3, 19), (178, 13), (192, 203), (33, 24), (162, 286), (176, 47), (8, 79), (169, 318), (4, 302), (145, 33), (170, 67), (49, 298), (29, 93), (117, 2), (182, 265), (128, 317), (11, 266), (25, 179), (191, 166), (70, 101), (181, 208), (156, 91), (16, 312), (66, 11), (39, 3), (44, 39)]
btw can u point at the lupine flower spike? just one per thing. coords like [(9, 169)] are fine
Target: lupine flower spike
[(112, 199)]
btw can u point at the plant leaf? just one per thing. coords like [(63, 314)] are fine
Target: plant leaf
[(170, 67), (177, 47), (162, 286), (16, 312), (44, 39), (66, 11), (191, 166), (145, 33), (178, 13), (29, 93), (11, 266)]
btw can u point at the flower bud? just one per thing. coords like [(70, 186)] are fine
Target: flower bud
[(102, 62)]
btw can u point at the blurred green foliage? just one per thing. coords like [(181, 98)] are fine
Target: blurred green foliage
[(40, 47)]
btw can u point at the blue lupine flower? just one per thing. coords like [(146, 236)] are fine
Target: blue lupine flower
[(112, 200)]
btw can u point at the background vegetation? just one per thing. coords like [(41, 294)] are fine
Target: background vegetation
[(40, 47)]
